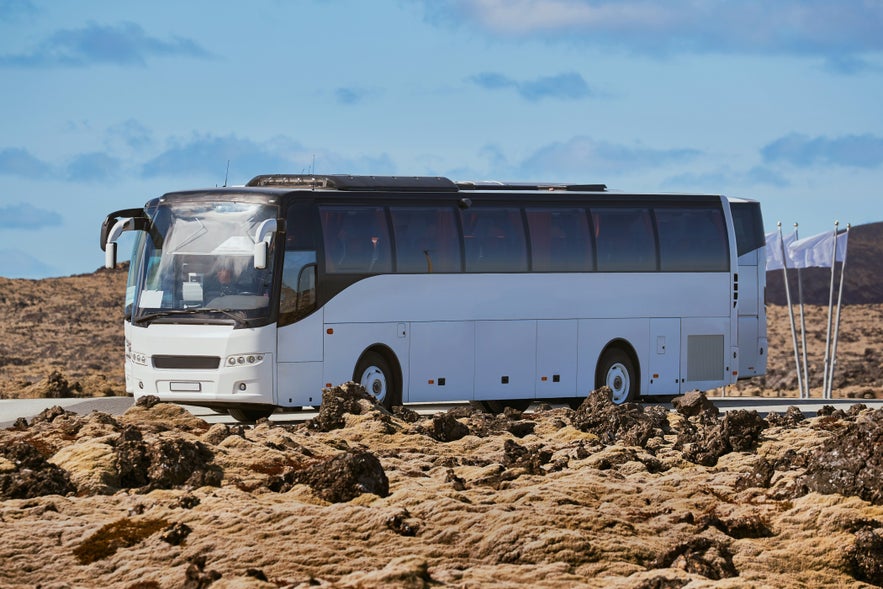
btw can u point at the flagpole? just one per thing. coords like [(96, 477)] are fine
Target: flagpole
[(802, 326), (790, 310), (830, 306), (837, 317)]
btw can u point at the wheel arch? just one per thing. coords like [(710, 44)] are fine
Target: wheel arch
[(390, 356), (626, 347)]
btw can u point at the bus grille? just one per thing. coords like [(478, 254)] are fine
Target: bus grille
[(187, 362)]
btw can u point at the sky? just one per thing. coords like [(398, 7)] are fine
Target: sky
[(106, 105)]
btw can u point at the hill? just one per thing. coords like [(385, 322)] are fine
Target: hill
[(864, 267), (65, 332)]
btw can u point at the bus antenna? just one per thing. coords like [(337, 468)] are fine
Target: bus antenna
[(227, 174)]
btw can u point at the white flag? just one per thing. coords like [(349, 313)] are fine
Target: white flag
[(774, 249), (817, 251)]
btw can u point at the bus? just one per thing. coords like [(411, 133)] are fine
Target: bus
[(253, 299)]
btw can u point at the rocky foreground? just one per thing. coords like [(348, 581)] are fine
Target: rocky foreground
[(604, 496)]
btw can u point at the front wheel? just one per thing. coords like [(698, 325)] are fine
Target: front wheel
[(617, 372), (250, 415), (375, 374)]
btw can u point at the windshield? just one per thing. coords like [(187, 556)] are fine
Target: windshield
[(198, 265)]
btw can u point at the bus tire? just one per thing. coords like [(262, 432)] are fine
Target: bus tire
[(375, 374), (495, 407), (250, 415), (617, 371)]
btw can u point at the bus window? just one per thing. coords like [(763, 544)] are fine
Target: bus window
[(427, 239), (748, 226), (494, 240), (624, 239), (692, 240), (356, 240), (560, 240)]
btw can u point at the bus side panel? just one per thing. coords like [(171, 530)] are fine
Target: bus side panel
[(299, 384), (556, 358), (346, 342), (752, 339), (664, 360), (442, 361), (593, 337), (706, 353), (299, 370), (505, 359), (302, 341)]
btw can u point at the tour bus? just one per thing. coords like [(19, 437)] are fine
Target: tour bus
[(255, 298)]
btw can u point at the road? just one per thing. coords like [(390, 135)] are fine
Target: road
[(12, 409)]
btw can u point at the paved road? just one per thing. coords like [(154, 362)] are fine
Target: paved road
[(12, 409)]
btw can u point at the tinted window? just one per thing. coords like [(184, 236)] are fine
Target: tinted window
[(427, 239), (748, 225), (494, 239), (560, 240), (624, 239), (692, 240), (356, 240)]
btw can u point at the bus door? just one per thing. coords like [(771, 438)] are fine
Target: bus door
[(664, 359), (751, 321)]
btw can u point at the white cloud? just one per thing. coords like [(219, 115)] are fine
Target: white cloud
[(801, 27)]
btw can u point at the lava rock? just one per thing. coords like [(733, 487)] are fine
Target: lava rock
[(700, 556), (33, 476), (792, 417), (176, 533), (694, 403), (343, 477), (530, 459), (866, 556), (630, 424), (349, 398), (165, 464), (445, 428), (196, 577), (147, 401), (705, 440), (850, 462), (50, 414)]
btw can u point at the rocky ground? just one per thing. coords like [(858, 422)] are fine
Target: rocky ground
[(603, 496)]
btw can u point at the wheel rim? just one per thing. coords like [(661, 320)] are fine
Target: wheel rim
[(374, 382), (618, 382)]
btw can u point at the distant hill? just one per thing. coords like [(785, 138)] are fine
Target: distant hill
[(71, 325), (863, 280)]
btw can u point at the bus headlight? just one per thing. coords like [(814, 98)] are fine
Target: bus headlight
[(245, 360), (139, 358)]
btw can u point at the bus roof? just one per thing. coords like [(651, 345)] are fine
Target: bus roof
[(406, 183)]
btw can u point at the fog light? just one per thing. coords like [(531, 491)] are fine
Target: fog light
[(242, 386), (141, 385)]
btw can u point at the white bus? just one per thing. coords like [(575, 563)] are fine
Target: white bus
[(249, 299)]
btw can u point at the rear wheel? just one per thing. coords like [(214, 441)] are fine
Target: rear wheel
[(375, 374), (617, 371), (250, 415), (498, 406)]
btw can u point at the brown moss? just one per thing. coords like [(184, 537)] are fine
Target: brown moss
[(109, 538)]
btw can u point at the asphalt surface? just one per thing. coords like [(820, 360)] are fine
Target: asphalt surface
[(12, 409)]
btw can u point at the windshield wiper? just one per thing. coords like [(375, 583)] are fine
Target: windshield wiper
[(236, 316)]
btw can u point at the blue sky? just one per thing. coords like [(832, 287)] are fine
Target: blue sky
[(108, 104)]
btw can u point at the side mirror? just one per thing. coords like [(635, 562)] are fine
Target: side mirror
[(110, 246), (262, 239), (110, 255), (261, 250)]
